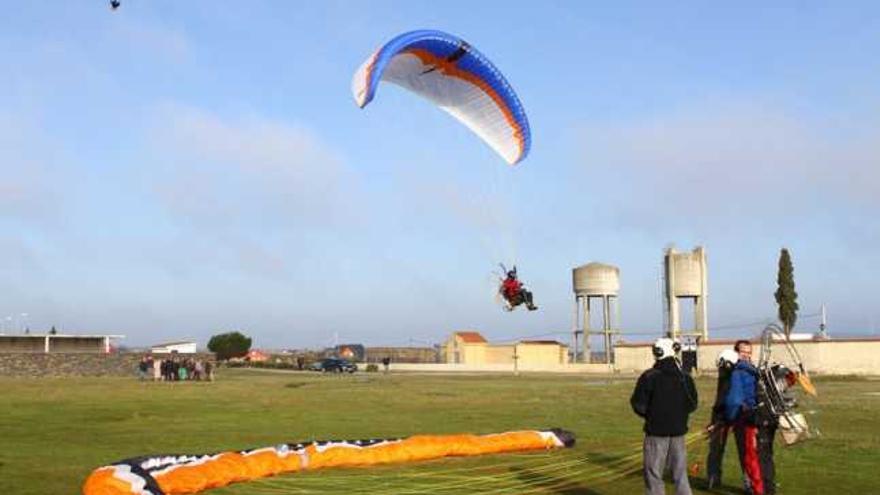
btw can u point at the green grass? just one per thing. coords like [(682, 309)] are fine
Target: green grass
[(53, 432)]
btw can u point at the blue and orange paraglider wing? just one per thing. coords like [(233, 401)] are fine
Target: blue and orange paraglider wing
[(459, 79)]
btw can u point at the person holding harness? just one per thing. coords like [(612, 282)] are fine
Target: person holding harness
[(740, 408)]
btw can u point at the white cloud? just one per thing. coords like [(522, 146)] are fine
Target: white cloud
[(31, 185), (731, 162), (258, 189), (287, 167)]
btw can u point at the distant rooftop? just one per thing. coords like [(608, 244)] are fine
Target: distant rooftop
[(471, 337), (542, 342), (181, 342)]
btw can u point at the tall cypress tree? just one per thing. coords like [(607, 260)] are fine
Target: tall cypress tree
[(786, 297)]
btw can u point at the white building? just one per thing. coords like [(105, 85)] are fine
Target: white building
[(57, 343), (183, 347)]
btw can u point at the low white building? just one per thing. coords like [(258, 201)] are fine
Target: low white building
[(183, 347), (57, 343)]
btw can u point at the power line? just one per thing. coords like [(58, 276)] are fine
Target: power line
[(764, 321), (522, 337), (725, 328)]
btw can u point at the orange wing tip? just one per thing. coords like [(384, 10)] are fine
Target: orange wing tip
[(116, 480)]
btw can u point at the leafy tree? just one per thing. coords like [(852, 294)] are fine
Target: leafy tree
[(786, 297), (53, 331), (229, 345)]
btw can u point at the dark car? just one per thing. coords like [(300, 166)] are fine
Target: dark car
[(333, 365)]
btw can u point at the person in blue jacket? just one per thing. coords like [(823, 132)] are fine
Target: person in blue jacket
[(740, 409)]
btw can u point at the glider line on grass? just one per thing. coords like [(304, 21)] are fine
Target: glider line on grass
[(526, 473)]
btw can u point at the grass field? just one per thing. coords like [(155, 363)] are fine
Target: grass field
[(53, 432)]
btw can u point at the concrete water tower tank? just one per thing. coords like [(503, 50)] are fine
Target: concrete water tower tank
[(596, 279), (686, 277), (591, 281)]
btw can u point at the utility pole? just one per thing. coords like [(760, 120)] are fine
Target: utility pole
[(515, 360)]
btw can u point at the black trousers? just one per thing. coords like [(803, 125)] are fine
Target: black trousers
[(766, 435), (715, 459), (523, 296)]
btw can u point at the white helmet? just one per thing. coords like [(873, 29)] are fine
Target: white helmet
[(727, 358), (664, 348)]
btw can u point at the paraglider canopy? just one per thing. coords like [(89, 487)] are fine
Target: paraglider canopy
[(451, 73)]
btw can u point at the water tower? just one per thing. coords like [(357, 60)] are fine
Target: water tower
[(685, 275), (594, 281)]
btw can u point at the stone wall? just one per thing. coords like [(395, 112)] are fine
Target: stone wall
[(78, 364), (844, 356), (500, 368), (402, 354)]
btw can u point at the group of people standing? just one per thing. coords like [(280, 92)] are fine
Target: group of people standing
[(174, 370), (665, 396)]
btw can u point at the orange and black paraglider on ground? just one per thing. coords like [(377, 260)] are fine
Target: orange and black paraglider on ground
[(187, 473)]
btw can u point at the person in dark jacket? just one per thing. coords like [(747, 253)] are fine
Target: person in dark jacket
[(740, 408), (142, 368), (719, 428), (664, 396), (166, 370)]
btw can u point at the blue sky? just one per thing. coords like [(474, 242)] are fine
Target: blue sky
[(179, 168)]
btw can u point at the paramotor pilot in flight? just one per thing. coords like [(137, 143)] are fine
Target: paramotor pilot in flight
[(514, 293)]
